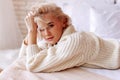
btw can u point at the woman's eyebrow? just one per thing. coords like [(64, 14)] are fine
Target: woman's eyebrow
[(50, 23)]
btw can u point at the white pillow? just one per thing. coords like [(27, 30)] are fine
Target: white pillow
[(100, 3), (106, 22), (80, 16), (118, 2)]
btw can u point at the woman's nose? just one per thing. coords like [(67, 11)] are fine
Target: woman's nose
[(47, 32)]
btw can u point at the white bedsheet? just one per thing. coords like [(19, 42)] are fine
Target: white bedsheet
[(112, 74), (7, 57)]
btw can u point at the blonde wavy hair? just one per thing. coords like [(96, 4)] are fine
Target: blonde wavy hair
[(46, 8)]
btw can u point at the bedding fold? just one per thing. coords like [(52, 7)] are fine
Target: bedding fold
[(17, 71)]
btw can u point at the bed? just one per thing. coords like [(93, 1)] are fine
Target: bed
[(77, 73), (7, 57), (84, 11)]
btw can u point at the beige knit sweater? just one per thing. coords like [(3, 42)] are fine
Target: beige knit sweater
[(73, 49)]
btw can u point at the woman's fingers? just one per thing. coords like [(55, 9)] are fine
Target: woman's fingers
[(32, 13), (29, 20)]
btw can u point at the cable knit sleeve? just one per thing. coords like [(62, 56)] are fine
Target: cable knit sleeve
[(73, 50)]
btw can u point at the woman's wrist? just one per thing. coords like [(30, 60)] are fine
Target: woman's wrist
[(32, 37)]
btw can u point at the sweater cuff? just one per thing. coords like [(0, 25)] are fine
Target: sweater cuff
[(22, 50), (32, 50)]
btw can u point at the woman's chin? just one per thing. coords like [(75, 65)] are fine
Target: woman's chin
[(51, 42)]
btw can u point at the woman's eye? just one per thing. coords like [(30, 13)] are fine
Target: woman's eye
[(51, 25)]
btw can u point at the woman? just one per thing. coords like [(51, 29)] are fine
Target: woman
[(52, 44)]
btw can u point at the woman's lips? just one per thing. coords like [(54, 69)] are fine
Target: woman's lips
[(49, 38)]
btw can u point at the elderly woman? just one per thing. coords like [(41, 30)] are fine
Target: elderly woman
[(52, 44)]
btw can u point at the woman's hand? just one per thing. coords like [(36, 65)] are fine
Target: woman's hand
[(32, 29), (29, 20)]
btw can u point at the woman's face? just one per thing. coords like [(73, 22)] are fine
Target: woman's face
[(51, 28)]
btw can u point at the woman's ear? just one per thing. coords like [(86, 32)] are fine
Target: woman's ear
[(65, 22)]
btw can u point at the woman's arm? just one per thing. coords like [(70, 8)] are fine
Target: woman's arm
[(31, 37), (64, 55)]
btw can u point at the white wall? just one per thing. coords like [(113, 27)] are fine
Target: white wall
[(10, 36)]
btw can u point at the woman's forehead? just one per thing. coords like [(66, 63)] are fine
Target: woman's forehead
[(46, 19), (44, 23)]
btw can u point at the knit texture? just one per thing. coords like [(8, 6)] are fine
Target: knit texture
[(73, 49)]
